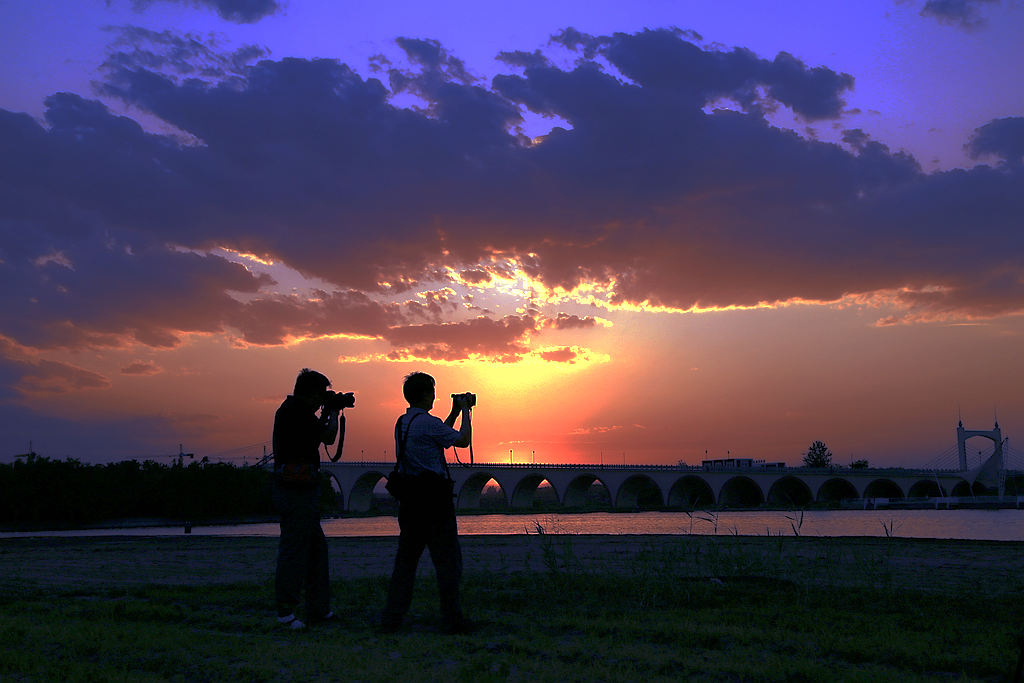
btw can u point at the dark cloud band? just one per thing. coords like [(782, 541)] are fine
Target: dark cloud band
[(108, 232)]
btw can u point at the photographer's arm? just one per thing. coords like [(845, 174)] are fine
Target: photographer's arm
[(456, 408), (466, 428)]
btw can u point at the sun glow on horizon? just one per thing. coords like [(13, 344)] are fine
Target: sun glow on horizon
[(570, 359)]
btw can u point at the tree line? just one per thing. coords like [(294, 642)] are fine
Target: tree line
[(819, 455), (38, 490)]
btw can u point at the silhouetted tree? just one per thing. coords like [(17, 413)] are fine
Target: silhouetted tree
[(35, 490), (859, 465), (818, 455)]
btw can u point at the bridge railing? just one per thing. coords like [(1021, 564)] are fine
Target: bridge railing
[(874, 471), (966, 501), (525, 466)]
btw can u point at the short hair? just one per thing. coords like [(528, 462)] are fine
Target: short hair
[(416, 384), (310, 382)]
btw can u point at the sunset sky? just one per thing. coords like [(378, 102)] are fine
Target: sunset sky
[(638, 231)]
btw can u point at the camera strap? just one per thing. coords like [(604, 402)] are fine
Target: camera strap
[(341, 439), (456, 452)]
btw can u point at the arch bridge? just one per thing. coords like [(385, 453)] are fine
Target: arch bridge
[(631, 487)]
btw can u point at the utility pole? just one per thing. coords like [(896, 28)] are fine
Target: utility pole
[(183, 454)]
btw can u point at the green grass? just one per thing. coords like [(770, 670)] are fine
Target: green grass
[(744, 621)]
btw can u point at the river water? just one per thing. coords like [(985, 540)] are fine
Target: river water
[(992, 525)]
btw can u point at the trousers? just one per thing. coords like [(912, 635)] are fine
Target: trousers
[(426, 523), (301, 553)]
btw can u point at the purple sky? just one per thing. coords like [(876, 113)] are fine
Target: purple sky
[(767, 224)]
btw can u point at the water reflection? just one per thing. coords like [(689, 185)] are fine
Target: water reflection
[(993, 525)]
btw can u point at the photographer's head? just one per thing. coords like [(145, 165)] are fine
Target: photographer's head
[(311, 385), (418, 390)]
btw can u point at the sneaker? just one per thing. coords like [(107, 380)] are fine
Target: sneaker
[(291, 622)]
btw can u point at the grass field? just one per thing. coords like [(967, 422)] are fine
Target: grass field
[(665, 608)]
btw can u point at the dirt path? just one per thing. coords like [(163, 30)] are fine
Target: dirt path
[(987, 567)]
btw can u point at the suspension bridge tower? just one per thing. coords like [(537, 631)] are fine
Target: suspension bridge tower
[(994, 434)]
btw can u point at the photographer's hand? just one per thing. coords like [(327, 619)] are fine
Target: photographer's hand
[(466, 428), (456, 409)]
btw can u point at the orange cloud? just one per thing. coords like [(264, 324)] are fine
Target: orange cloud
[(141, 368)]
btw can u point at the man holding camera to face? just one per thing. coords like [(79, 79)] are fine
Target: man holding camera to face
[(302, 550), (426, 513)]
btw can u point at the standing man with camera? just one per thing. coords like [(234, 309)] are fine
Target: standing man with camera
[(302, 550), (426, 513)]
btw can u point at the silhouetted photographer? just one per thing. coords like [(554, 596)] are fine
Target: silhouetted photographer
[(426, 512), (302, 551)]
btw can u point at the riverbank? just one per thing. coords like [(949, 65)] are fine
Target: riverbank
[(548, 606), (136, 523), (978, 567)]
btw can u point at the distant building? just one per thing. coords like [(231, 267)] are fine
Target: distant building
[(730, 463), (741, 464)]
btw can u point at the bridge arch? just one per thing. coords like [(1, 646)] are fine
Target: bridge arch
[(469, 494), (791, 491), (741, 492), (962, 489), (691, 491), (835, 490), (925, 488), (639, 492), (525, 493), (360, 498), (577, 490), (883, 488)]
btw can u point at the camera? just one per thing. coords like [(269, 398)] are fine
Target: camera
[(336, 401), (469, 398)]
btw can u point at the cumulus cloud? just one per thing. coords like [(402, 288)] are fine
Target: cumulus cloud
[(1002, 138), (561, 355), (965, 14), (997, 294), (52, 377), (175, 56), (564, 321), (141, 367), (433, 304), (43, 377), (594, 430), (475, 276), (238, 11), (273, 320), (662, 60), (503, 340), (646, 193)]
